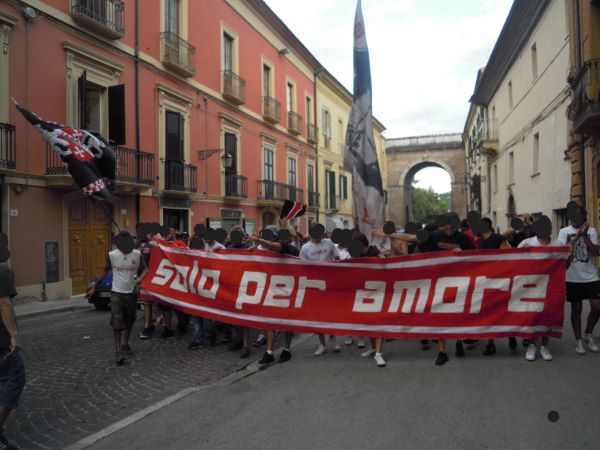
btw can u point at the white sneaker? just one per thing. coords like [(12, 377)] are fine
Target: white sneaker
[(348, 341), (591, 344), (579, 349), (361, 343), (320, 350), (545, 353), (379, 360), (335, 345), (367, 354), (530, 355)]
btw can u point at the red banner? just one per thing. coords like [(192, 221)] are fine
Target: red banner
[(476, 294)]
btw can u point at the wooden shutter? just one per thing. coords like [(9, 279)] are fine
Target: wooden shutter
[(82, 91), (331, 177), (116, 114), (231, 148), (174, 134)]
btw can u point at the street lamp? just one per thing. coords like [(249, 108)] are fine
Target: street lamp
[(226, 159)]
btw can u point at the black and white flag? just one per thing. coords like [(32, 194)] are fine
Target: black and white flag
[(360, 153)]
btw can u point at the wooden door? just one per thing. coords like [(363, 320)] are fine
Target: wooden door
[(89, 242)]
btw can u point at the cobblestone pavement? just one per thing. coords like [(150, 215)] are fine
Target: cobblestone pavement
[(75, 389)]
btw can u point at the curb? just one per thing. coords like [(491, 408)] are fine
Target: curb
[(246, 371), (60, 309)]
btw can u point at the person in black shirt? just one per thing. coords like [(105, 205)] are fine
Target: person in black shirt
[(448, 238), (493, 241), (12, 365), (281, 244), (515, 238)]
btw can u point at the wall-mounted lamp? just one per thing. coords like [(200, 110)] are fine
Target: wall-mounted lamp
[(226, 158), (284, 51)]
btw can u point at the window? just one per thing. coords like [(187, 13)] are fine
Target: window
[(266, 81), (308, 110), (292, 171), (536, 153), (227, 53), (231, 148), (311, 178), (326, 127), (510, 95), (341, 135), (534, 64), (269, 171), (290, 97), (91, 107), (495, 178), (343, 187), (511, 168), (172, 16)]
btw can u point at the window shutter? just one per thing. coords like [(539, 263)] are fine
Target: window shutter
[(174, 134), (324, 122), (82, 88), (116, 114)]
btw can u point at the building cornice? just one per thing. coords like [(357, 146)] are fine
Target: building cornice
[(522, 19)]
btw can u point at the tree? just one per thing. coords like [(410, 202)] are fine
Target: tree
[(426, 204)]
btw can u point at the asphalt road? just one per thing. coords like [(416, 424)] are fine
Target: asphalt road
[(342, 401)]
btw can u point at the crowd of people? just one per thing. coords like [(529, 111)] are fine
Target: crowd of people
[(129, 267)]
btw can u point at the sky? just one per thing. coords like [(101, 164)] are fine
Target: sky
[(424, 55)]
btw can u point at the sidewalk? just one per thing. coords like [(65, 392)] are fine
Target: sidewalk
[(37, 308)]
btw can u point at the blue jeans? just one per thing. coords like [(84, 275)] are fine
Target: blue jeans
[(198, 329)]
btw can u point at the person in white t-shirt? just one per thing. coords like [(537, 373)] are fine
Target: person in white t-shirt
[(320, 249), (542, 240), (583, 281)]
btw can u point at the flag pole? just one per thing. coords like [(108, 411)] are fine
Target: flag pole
[(108, 214)]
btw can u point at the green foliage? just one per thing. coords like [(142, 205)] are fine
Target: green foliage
[(426, 204)]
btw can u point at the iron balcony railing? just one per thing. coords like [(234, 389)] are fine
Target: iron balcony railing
[(272, 190), (131, 167), (271, 109), (234, 87), (584, 109), (108, 14), (236, 186), (312, 135), (294, 121), (177, 53), (180, 176), (8, 145), (313, 199)]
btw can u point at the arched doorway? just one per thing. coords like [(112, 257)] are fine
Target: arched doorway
[(427, 191)]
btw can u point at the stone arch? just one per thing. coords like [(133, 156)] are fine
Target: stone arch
[(406, 156)]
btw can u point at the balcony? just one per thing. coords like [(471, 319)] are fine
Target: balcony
[(312, 135), (313, 200), (134, 171), (236, 187), (584, 109), (180, 177), (8, 146), (271, 110), (485, 137), (271, 193), (105, 17), (177, 54), (293, 124), (234, 88)]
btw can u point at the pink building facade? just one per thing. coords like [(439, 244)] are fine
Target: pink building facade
[(210, 105)]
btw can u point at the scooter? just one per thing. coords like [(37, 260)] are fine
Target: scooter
[(101, 296)]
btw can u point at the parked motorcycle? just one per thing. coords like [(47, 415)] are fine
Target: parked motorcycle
[(100, 298)]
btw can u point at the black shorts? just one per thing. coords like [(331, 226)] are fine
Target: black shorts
[(583, 291)]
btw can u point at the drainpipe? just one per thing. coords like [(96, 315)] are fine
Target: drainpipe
[(315, 109), (137, 104)]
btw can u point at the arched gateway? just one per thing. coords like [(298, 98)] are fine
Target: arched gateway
[(406, 156)]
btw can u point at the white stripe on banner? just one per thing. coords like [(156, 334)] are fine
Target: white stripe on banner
[(224, 256), (360, 327)]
